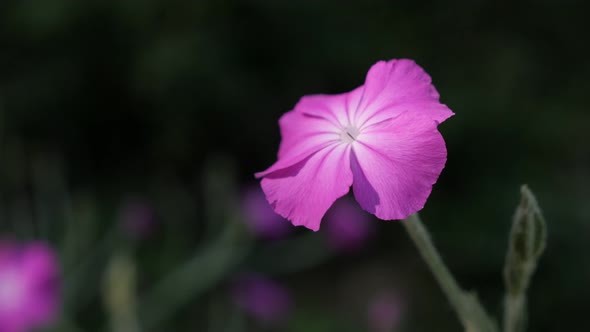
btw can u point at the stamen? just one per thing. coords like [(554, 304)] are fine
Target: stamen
[(349, 134)]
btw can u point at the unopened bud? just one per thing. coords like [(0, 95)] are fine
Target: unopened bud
[(526, 244)]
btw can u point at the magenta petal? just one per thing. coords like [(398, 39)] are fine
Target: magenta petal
[(40, 267), (303, 192), (315, 123), (395, 164), (336, 109), (302, 136), (397, 86), (29, 287)]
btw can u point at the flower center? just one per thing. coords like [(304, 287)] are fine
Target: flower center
[(349, 134)]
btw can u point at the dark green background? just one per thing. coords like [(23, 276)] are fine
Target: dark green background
[(136, 96)]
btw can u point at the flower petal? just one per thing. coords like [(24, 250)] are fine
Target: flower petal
[(395, 163), (397, 86), (40, 269), (301, 136), (335, 109), (303, 192)]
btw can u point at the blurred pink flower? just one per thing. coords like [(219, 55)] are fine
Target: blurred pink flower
[(381, 139), (347, 227), (263, 299), (259, 216), (138, 218), (385, 311), (29, 287)]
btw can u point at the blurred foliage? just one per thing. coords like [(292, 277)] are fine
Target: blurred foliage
[(103, 100)]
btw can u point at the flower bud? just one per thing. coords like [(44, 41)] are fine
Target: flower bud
[(527, 242)]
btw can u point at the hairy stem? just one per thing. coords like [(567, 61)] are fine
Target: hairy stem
[(471, 313)]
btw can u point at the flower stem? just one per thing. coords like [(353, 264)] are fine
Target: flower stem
[(515, 313), (471, 313)]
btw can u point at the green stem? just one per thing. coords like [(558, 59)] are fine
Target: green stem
[(514, 313), (471, 313), (187, 281)]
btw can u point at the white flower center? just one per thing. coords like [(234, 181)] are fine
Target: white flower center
[(11, 289), (349, 134)]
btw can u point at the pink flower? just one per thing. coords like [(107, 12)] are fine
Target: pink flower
[(381, 139), (260, 218), (29, 287), (347, 228), (263, 299)]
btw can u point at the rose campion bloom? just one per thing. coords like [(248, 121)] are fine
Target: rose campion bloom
[(29, 287), (263, 299), (381, 138), (260, 218)]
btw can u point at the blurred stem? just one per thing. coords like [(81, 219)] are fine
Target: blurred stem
[(471, 313), (514, 312), (85, 272), (119, 293), (207, 267)]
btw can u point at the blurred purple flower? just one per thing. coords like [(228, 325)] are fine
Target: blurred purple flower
[(29, 286), (260, 217), (385, 312), (263, 299), (138, 218), (347, 226)]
